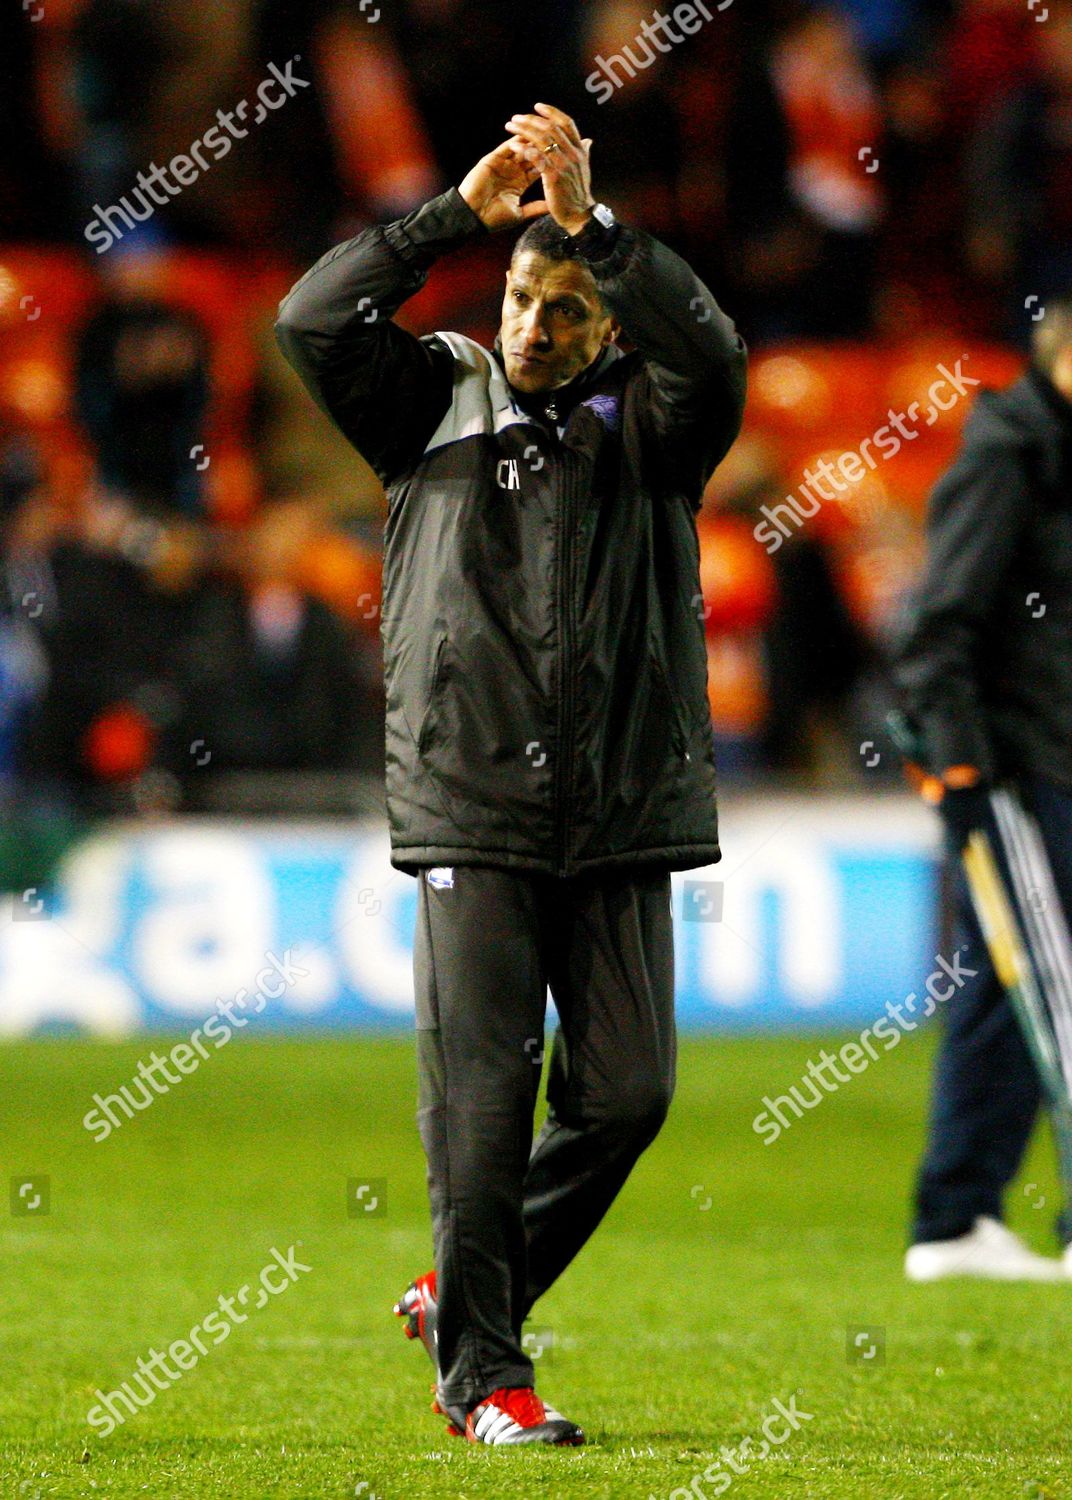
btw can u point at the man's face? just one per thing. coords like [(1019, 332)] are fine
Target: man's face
[(553, 323)]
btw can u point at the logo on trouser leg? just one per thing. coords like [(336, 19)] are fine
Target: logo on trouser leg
[(441, 876)]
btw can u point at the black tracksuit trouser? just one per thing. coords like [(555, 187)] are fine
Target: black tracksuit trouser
[(986, 1090), (508, 1213)]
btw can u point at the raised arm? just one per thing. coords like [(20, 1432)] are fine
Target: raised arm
[(695, 361), (385, 389)]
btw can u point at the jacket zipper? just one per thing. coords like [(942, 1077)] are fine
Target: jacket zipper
[(565, 744)]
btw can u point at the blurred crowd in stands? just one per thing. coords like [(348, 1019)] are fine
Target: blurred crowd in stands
[(190, 553)]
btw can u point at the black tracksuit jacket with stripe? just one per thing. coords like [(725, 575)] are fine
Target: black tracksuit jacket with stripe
[(985, 665), (544, 656)]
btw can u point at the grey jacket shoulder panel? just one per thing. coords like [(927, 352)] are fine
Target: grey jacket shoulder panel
[(481, 404)]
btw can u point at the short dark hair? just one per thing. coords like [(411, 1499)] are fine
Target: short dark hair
[(544, 236), (1052, 333)]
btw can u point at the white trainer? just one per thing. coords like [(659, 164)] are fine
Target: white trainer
[(989, 1251)]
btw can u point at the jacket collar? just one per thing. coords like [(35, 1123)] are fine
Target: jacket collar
[(562, 400)]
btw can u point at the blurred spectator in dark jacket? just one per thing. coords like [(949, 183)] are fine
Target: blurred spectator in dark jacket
[(269, 672), (1020, 181), (834, 119), (141, 392), (121, 588), (352, 147), (123, 578), (639, 141), (341, 141), (119, 53)]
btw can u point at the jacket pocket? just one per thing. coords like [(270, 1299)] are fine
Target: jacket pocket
[(427, 719), (679, 735)]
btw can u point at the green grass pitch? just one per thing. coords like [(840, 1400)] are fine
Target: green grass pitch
[(729, 1274)]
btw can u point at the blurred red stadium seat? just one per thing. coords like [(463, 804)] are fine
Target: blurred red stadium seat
[(736, 576), (43, 286)]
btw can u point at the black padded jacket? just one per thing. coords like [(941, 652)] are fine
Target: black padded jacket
[(544, 656), (985, 666)]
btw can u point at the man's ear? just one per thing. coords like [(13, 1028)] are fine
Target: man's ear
[(613, 330)]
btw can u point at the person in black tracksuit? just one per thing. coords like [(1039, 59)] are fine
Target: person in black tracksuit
[(985, 670), (549, 755)]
